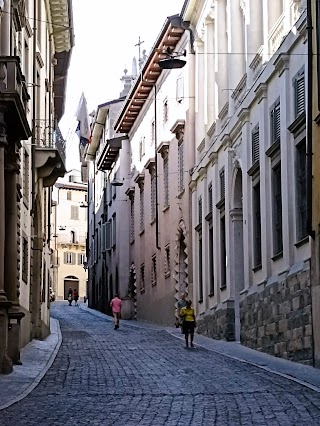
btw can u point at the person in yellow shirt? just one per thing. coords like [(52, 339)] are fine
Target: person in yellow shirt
[(189, 323)]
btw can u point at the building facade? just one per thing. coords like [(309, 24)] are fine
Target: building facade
[(69, 229), (107, 158), (158, 116), (34, 60), (251, 248)]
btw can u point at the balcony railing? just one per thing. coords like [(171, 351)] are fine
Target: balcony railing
[(48, 137)]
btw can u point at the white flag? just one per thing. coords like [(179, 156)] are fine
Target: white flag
[(83, 118)]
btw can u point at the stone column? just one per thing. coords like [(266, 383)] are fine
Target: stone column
[(11, 252), (5, 362), (254, 29), (275, 9)]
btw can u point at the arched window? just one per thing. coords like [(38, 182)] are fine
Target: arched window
[(72, 237)]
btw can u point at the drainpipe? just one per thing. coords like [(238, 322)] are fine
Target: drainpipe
[(33, 137), (156, 166), (309, 122)]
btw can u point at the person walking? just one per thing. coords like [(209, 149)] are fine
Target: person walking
[(116, 304), (75, 297), (189, 323), (70, 296), (181, 303)]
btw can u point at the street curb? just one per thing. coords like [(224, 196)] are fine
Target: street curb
[(262, 367), (269, 370), (39, 377)]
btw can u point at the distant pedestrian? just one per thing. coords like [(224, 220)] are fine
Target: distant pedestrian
[(70, 296), (84, 299), (75, 297), (116, 304), (189, 323), (181, 303)]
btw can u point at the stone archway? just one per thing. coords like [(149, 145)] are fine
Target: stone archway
[(181, 261), (237, 264)]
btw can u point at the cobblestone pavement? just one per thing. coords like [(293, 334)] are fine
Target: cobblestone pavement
[(137, 376)]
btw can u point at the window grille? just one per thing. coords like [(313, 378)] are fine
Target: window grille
[(167, 263), (200, 210), (180, 166), (166, 181), (222, 184), (141, 209), (142, 280), (257, 224), (153, 195), (277, 209), (301, 160), (132, 219), (154, 269)]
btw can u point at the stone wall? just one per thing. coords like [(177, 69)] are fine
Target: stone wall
[(218, 322), (276, 316)]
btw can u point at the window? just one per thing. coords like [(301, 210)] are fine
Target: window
[(72, 237), (132, 219), (210, 197), (165, 111), (25, 257), (153, 195), (69, 195), (114, 230), (153, 132), (166, 182), (142, 277), (26, 166), (299, 93), (275, 122), (200, 273), (222, 184), (277, 209), (69, 258), (180, 166), (211, 267), (301, 183), (75, 212), (200, 210), (257, 224), (223, 253), (141, 209), (179, 89), (154, 270), (167, 263), (142, 145), (81, 258), (255, 145)]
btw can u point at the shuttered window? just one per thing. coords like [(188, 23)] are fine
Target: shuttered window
[(165, 182), (255, 145), (210, 199), (222, 184), (200, 210), (275, 122), (299, 93), (75, 212), (69, 258), (180, 166)]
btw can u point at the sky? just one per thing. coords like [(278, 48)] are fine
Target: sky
[(106, 32)]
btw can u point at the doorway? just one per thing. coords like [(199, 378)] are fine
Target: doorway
[(72, 282)]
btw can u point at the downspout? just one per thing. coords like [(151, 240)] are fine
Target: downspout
[(33, 136), (309, 122), (156, 166)]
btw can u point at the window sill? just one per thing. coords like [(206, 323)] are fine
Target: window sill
[(302, 241), (132, 242), (200, 301), (154, 283), (153, 221), (167, 274), (211, 294), (221, 204), (254, 169), (223, 287), (142, 290), (277, 256), (141, 232), (257, 268), (181, 193), (166, 208)]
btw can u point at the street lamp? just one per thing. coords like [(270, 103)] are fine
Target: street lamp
[(172, 61), (85, 266)]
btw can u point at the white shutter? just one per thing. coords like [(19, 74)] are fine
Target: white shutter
[(255, 146), (300, 94), (179, 89)]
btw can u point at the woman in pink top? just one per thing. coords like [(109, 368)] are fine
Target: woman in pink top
[(116, 310)]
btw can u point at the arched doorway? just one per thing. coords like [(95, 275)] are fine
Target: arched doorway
[(237, 269), (70, 281)]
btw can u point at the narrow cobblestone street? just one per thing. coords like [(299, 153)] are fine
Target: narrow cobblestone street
[(141, 376)]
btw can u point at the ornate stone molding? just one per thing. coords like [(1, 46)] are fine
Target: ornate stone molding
[(261, 92), (178, 129), (281, 64)]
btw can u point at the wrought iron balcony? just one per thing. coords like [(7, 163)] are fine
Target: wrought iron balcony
[(50, 152), (14, 98)]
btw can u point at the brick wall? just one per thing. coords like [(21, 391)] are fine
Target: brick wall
[(276, 316), (218, 323)]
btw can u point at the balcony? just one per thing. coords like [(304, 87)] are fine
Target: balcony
[(14, 98), (50, 152), (109, 153)]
